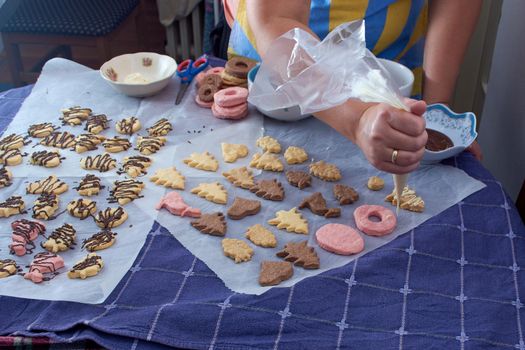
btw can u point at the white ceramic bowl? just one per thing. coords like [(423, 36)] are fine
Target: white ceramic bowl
[(459, 127), (139, 74), (402, 76)]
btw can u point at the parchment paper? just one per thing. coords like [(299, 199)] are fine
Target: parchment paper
[(64, 84)]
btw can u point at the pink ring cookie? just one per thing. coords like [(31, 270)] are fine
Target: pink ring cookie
[(215, 70), (340, 239), (201, 103), (387, 218), (231, 96), (199, 78), (234, 112)]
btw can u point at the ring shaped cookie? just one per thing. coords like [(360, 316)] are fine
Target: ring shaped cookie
[(212, 79), (239, 67), (206, 92), (387, 218), (231, 96)]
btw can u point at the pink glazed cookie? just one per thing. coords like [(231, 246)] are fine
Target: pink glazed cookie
[(44, 263), (235, 112), (24, 233), (386, 224), (174, 203), (340, 239), (231, 96), (201, 103)]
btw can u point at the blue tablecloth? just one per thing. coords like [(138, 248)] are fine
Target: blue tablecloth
[(454, 282)]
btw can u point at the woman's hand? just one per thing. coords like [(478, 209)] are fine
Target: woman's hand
[(383, 129)]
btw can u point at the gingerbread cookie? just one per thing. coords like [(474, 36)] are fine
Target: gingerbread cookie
[(100, 162), (161, 128), (295, 155), (8, 267), (148, 145), (205, 93), (87, 267), (232, 151), (266, 161), (213, 192), (58, 139), (299, 179), (237, 250), (82, 208), (89, 185), (261, 236), (45, 206), (174, 203), (213, 224), (25, 232), (274, 272), (6, 178), (49, 185), (269, 144), (203, 161), (111, 217), (240, 177), (12, 141), (291, 221), (409, 200), (41, 130), (168, 177), (116, 144), (11, 157), (128, 126), (12, 206), (135, 166), (44, 267), (243, 207), (47, 159), (75, 115), (317, 205), (97, 123), (345, 194), (325, 171), (125, 191), (269, 189), (99, 241), (375, 183), (87, 142), (300, 254), (61, 239)]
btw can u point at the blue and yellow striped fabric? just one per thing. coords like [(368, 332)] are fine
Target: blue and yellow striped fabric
[(395, 29)]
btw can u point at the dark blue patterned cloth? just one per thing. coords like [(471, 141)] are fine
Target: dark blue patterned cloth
[(454, 282), (69, 17)]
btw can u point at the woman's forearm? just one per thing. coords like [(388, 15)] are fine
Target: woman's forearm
[(450, 27)]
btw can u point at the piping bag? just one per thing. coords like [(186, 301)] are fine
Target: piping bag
[(299, 70)]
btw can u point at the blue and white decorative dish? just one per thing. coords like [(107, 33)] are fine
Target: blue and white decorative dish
[(459, 127)]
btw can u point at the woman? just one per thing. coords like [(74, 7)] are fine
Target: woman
[(428, 37)]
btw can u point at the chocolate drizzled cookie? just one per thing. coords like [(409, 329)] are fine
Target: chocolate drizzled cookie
[(160, 128), (13, 141), (24, 233), (97, 123), (41, 130), (100, 162), (50, 184), (89, 185), (11, 157), (5, 177), (148, 145), (125, 191), (75, 115), (45, 206), (48, 159), (87, 142), (111, 217), (11, 206), (82, 208), (135, 166), (128, 126), (59, 139), (62, 238), (8, 267), (100, 240)]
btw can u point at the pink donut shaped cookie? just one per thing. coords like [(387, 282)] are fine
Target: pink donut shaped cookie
[(231, 96), (24, 233), (386, 224), (235, 112), (174, 203), (340, 239), (44, 264), (199, 78), (201, 103), (215, 70)]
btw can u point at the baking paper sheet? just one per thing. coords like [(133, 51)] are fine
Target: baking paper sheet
[(64, 84)]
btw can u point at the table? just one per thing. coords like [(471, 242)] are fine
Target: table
[(453, 282)]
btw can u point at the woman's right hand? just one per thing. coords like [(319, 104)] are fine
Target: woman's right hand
[(383, 129)]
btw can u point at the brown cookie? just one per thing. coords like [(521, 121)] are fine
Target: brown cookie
[(345, 194), (242, 207), (299, 179), (300, 254), (212, 79), (213, 224), (269, 189), (239, 67), (317, 204), (274, 272), (206, 92)]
